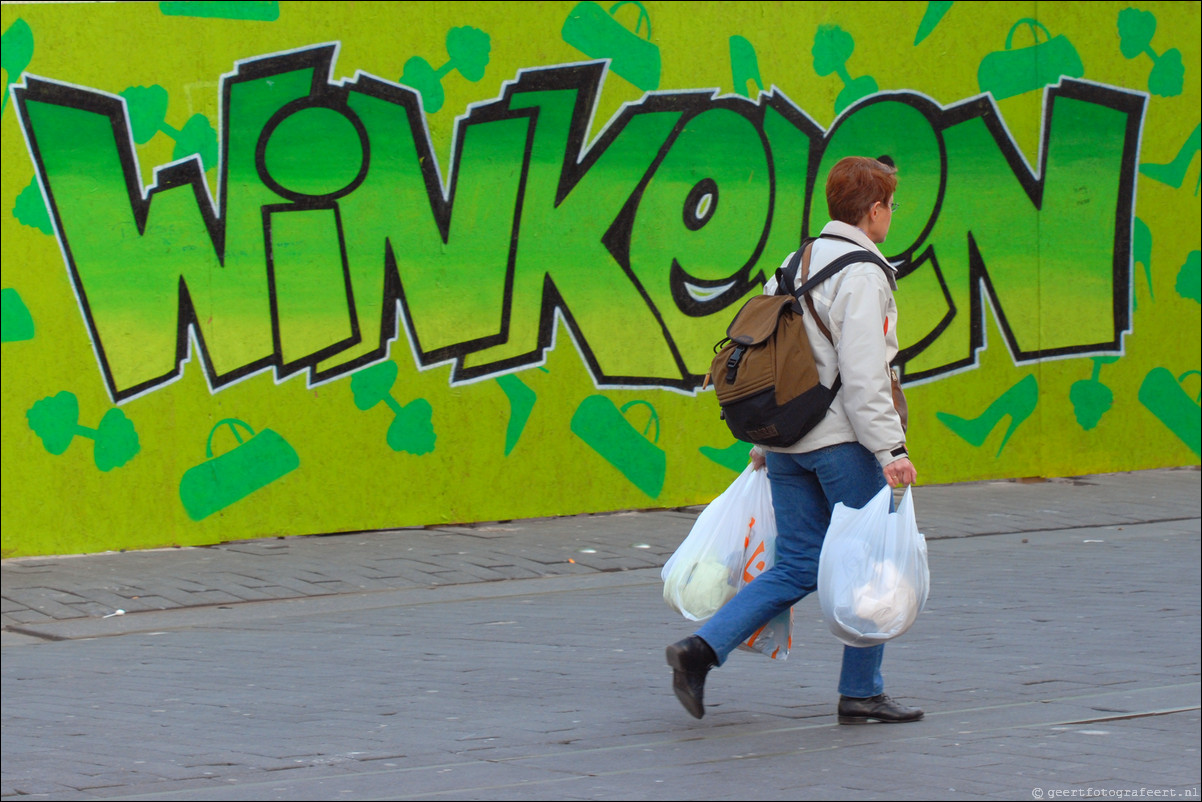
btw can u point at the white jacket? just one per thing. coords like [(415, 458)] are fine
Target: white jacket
[(857, 306)]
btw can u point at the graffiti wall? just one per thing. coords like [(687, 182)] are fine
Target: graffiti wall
[(295, 268)]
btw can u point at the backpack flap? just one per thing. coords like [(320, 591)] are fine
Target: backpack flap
[(770, 393), (755, 360), (758, 319)]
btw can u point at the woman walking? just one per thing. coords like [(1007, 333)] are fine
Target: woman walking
[(857, 448)]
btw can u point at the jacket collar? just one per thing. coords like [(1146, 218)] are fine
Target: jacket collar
[(860, 238)]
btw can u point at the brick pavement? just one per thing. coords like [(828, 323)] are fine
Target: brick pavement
[(42, 589), (1058, 653)]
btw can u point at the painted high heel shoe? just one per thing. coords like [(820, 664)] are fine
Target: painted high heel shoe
[(734, 456), (745, 67), (934, 13), (1173, 173), (1141, 253), (521, 403), (1018, 402)]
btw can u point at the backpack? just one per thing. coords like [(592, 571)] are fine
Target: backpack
[(764, 372)]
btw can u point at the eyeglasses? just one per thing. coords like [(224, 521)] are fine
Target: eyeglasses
[(893, 206)]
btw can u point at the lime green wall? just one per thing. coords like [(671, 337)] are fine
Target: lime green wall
[(290, 268)]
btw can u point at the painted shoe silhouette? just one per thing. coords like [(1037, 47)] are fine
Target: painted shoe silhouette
[(1018, 402), (745, 67), (1141, 253), (259, 10), (521, 402), (1173, 173), (734, 456), (934, 13), (16, 54)]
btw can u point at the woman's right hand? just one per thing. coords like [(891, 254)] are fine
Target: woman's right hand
[(758, 459)]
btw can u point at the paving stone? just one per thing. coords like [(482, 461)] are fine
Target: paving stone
[(476, 662)]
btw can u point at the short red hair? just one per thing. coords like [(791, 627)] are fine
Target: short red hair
[(854, 184)]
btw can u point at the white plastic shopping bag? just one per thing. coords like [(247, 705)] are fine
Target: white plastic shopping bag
[(775, 638), (872, 573), (732, 542), (705, 572)]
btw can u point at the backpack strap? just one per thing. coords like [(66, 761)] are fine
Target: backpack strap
[(805, 271), (840, 236), (787, 276), (860, 255), (800, 261)]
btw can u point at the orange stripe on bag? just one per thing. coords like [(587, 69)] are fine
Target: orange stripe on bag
[(747, 537), (747, 575), (751, 642)]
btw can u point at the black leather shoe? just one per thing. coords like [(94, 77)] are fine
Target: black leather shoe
[(878, 708), (691, 659)]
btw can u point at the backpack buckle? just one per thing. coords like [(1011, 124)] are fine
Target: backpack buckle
[(732, 364)]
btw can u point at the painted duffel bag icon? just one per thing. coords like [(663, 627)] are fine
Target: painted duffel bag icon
[(598, 34), (1165, 397), (605, 428), (249, 466), (1011, 72)]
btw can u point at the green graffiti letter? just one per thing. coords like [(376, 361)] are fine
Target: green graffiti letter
[(145, 270), (562, 260), (1054, 253), (699, 227), (451, 256), (791, 135)]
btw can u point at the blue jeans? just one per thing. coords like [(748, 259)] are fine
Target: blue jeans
[(805, 488)]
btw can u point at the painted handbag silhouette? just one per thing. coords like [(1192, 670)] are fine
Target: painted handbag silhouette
[(1163, 395), (1010, 72), (604, 427), (251, 465), (598, 34)]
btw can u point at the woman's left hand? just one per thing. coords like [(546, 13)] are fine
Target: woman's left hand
[(901, 472)]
